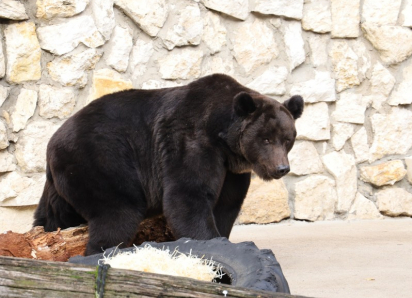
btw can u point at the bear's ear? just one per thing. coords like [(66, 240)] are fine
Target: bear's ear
[(295, 106), (244, 104)]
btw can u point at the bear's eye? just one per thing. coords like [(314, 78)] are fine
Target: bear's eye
[(266, 141)]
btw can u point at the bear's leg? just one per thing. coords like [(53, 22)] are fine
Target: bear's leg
[(110, 199), (40, 215), (230, 201), (54, 211), (117, 227), (188, 210)]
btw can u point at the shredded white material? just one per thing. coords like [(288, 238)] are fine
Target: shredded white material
[(150, 259)]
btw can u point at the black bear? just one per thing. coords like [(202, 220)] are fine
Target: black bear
[(185, 152)]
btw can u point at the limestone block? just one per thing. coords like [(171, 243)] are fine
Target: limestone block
[(7, 163), (393, 201), (236, 8), (106, 81), (4, 140), (56, 102), (276, 22), (6, 116), (402, 93), (142, 51), (350, 61), (265, 202), (350, 108), (314, 123), (408, 161), (345, 18), (315, 198), (317, 16), (364, 59), (342, 167), (71, 69), (23, 53), (382, 81), (63, 38), (187, 31), (321, 88), (2, 63), (18, 220), (12, 10), (253, 45), (271, 82), (405, 17), (341, 133), (363, 208), (215, 64), (394, 43), (119, 47), (4, 93), (376, 100), (184, 64), (387, 173), (359, 142), (290, 9), (304, 159), (31, 146), (12, 184), (149, 15), (24, 108), (103, 16), (17, 190), (214, 33), (154, 84), (392, 133), (345, 65), (382, 12), (295, 46), (318, 44), (48, 9)]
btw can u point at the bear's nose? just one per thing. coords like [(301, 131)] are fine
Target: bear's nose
[(283, 169)]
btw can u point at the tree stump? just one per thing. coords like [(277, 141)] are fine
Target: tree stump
[(64, 244), (154, 229)]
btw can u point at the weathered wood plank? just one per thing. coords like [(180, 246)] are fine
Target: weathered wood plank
[(45, 279), (23, 277)]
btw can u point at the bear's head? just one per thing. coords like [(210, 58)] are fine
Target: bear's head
[(267, 132)]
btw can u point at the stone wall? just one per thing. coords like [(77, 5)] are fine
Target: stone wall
[(350, 60)]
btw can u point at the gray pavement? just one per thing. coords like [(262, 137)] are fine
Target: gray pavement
[(339, 258)]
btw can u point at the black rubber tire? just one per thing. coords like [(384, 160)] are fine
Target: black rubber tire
[(247, 265)]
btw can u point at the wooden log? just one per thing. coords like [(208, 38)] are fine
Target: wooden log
[(63, 244), (33, 278), (38, 244)]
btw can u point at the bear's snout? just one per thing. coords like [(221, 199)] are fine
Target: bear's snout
[(282, 170), (274, 172)]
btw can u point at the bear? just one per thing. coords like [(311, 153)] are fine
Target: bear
[(185, 152)]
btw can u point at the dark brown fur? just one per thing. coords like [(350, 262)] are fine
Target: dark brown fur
[(185, 152)]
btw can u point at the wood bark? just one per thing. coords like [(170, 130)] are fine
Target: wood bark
[(63, 244), (33, 278)]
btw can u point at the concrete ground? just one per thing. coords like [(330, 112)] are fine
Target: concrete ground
[(339, 258)]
